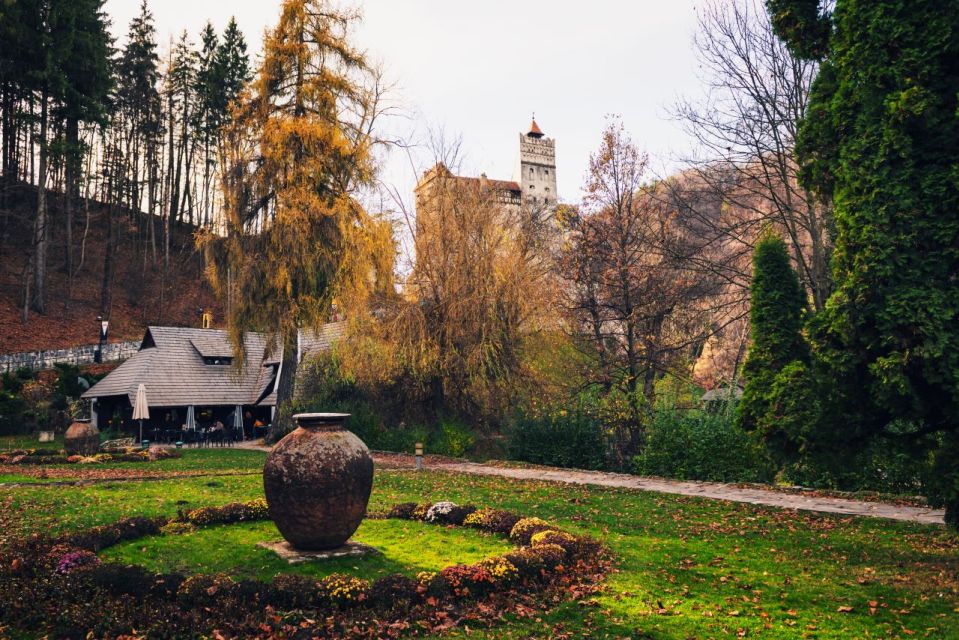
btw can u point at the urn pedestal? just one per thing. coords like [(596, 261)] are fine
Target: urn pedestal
[(81, 438), (318, 481)]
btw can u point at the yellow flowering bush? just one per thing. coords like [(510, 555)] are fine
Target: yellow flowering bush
[(524, 529), (419, 513), (501, 569), (175, 528), (492, 520), (343, 590), (552, 555), (477, 518), (559, 538)]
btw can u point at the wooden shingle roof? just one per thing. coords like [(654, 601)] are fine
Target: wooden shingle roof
[(171, 365)]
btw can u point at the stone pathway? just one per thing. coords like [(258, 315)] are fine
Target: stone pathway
[(711, 490)]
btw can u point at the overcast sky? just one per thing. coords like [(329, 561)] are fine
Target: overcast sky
[(481, 69)]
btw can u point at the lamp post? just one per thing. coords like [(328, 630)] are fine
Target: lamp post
[(104, 325)]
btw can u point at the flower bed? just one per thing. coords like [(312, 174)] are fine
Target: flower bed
[(60, 587), (43, 457)]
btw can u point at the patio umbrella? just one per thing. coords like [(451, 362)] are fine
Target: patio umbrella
[(190, 418), (238, 420), (141, 409)]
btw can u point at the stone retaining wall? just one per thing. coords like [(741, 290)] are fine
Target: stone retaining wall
[(40, 360)]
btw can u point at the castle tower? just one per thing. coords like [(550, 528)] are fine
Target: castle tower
[(537, 167)]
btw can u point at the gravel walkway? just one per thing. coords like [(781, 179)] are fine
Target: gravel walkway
[(711, 490)]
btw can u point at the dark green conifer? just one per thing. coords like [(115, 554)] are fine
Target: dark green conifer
[(881, 139)]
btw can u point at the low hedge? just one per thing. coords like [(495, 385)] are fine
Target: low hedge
[(59, 587), (43, 457)]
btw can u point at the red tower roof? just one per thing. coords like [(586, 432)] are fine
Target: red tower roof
[(534, 130)]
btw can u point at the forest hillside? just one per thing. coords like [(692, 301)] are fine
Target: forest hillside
[(138, 295)]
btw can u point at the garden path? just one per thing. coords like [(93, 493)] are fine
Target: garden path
[(710, 490)]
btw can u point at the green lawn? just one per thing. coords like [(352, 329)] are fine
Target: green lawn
[(406, 547), (8, 443), (687, 568)]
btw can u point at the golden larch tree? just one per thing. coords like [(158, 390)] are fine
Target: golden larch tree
[(295, 155)]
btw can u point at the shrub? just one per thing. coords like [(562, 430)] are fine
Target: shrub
[(433, 584), (344, 591), (502, 570), (204, 590), (529, 565), (74, 560), (394, 592), (561, 439), (419, 513), (177, 528), (403, 511), (228, 514), (551, 555), (467, 579), (292, 591), (493, 521), (451, 438), (134, 581), (99, 538), (562, 539), (523, 530), (448, 513), (701, 446)]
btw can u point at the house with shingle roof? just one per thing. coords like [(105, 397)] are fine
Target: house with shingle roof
[(192, 370)]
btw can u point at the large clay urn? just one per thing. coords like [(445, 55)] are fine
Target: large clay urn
[(318, 481), (81, 438)]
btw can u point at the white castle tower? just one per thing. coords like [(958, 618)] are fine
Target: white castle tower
[(536, 174)]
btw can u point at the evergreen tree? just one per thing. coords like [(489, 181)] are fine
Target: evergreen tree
[(138, 97), (181, 83), (776, 317), (880, 138), (208, 115), (298, 150), (88, 81), (234, 66)]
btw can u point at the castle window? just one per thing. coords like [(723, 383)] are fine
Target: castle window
[(531, 172), (547, 171)]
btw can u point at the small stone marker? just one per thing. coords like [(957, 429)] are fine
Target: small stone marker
[(286, 551)]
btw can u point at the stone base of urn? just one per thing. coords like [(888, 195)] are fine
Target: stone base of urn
[(317, 482), (287, 552), (81, 438)]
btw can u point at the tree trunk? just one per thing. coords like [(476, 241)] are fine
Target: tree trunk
[(283, 421), (72, 162), (40, 239), (106, 285), (171, 210)]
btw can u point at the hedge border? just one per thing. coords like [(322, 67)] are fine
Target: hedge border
[(533, 567), (42, 457)]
